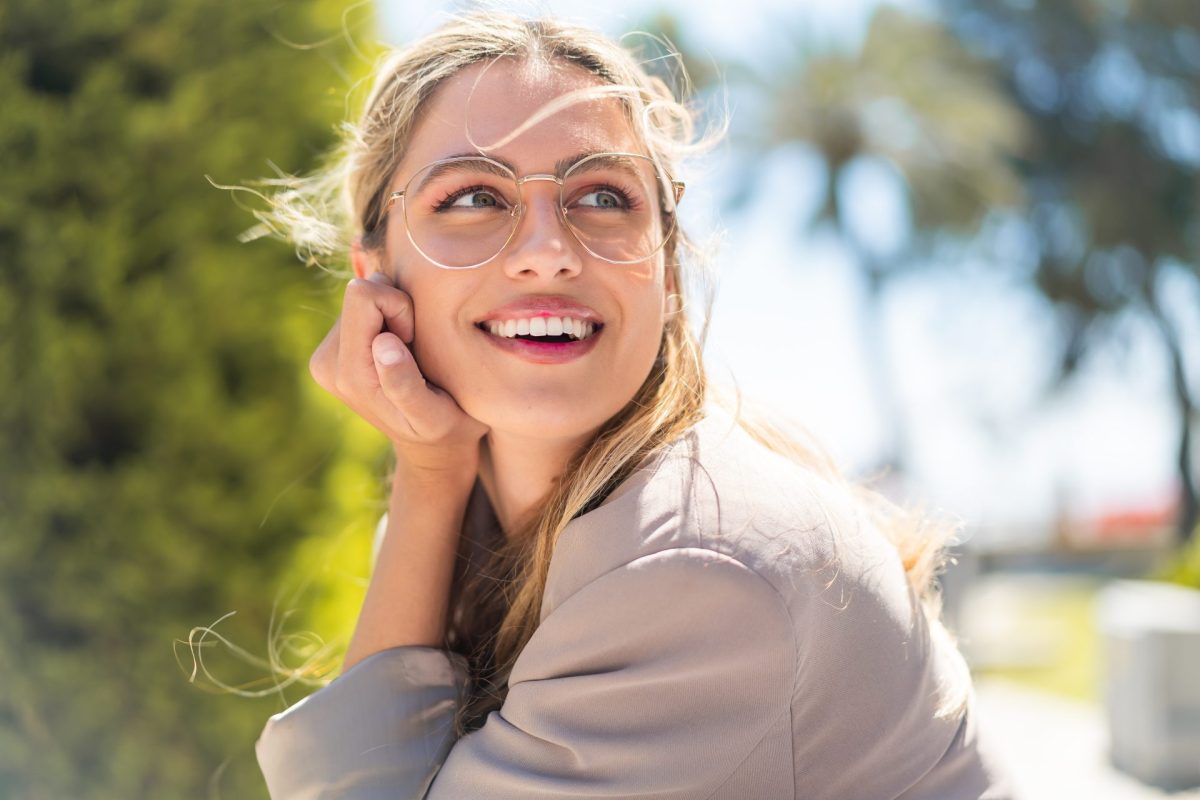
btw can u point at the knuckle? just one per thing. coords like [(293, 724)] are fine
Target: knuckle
[(319, 369), (357, 287)]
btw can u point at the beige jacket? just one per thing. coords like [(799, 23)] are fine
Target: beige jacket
[(723, 627)]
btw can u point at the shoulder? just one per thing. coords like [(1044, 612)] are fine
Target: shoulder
[(718, 537), (840, 579), (717, 489)]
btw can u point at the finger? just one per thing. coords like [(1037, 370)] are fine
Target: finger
[(366, 306), (399, 323), (322, 365), (427, 410), (375, 303), (400, 380)]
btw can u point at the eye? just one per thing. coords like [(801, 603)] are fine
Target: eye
[(604, 197), (472, 197)]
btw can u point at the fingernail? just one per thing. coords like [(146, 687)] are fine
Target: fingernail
[(388, 354)]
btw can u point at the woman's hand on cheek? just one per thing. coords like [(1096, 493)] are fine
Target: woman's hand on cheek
[(365, 362)]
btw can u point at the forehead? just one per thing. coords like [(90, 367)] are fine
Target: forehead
[(484, 104)]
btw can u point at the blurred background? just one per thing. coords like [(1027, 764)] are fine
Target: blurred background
[(958, 241)]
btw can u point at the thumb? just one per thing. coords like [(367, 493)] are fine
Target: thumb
[(399, 377), (422, 405), (388, 350)]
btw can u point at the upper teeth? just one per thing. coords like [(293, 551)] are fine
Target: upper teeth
[(541, 326)]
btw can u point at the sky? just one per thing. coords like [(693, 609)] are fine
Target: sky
[(967, 352)]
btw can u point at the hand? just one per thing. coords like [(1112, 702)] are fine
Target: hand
[(364, 362)]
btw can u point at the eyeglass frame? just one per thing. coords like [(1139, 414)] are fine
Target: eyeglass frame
[(518, 210)]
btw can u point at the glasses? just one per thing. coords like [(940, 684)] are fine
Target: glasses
[(461, 212)]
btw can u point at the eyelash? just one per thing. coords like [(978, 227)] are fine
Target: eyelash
[(617, 190), (451, 198)]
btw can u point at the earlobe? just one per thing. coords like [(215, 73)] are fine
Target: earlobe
[(363, 261)]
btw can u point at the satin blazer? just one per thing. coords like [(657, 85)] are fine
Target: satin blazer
[(726, 625)]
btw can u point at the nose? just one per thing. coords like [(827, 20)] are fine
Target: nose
[(541, 244)]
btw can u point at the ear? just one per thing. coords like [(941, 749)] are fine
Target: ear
[(365, 262), (671, 298)]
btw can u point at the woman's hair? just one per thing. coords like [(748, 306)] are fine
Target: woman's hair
[(495, 608)]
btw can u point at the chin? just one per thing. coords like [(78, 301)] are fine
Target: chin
[(545, 417)]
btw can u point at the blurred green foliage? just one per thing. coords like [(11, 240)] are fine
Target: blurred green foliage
[(166, 457)]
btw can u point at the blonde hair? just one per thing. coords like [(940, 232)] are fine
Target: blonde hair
[(495, 611)]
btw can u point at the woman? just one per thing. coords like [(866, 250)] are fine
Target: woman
[(592, 580)]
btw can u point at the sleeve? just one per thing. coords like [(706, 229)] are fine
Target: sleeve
[(658, 678), (379, 730)]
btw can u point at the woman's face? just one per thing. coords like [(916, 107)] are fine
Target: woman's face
[(508, 389)]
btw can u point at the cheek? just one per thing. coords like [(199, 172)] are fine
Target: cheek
[(645, 323), (650, 332), (442, 335), (431, 322), (640, 342), (437, 343)]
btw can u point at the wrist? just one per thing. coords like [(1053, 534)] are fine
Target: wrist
[(427, 483), (436, 465)]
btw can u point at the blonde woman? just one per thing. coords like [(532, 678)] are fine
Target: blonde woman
[(593, 580)]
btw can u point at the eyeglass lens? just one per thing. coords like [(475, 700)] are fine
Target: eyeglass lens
[(461, 213)]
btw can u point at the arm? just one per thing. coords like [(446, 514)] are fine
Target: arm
[(387, 720), (380, 730), (383, 723), (656, 679), (409, 593)]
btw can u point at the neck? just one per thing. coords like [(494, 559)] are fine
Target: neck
[(517, 472)]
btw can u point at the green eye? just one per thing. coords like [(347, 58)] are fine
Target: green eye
[(604, 198), (480, 199), (475, 197)]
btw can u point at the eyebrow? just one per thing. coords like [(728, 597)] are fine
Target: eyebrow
[(457, 166), (621, 162), (624, 163)]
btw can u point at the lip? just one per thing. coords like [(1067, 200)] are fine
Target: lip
[(546, 305), (544, 352)]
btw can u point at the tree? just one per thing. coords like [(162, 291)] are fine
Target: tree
[(1054, 114), (164, 456), (914, 100), (1111, 94)]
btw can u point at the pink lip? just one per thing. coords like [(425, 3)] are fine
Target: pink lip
[(541, 306)]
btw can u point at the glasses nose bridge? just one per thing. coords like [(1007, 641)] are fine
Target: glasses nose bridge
[(540, 176), (519, 209)]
